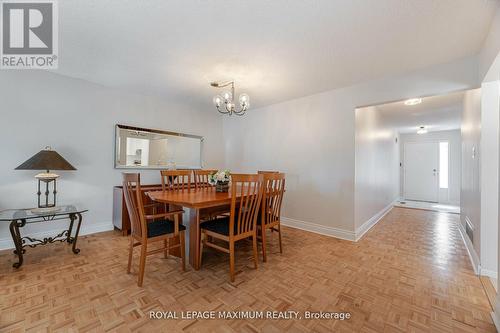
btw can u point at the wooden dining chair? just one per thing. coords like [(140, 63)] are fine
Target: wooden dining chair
[(201, 178), (147, 229), (176, 179), (272, 198), (246, 195), (201, 182)]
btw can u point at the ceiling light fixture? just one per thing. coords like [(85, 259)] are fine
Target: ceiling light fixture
[(227, 99), (413, 101), (422, 130)]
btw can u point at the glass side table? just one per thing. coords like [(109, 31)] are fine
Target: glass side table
[(18, 218)]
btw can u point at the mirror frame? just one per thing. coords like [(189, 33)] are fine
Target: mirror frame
[(150, 130)]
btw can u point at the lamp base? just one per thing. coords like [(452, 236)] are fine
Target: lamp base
[(49, 179), (45, 210), (46, 176)]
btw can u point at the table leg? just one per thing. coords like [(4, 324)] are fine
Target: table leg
[(72, 218), (16, 238), (194, 238), (75, 239)]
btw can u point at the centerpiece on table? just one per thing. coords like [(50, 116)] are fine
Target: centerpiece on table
[(221, 180)]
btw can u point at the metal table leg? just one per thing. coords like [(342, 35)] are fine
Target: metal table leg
[(72, 218), (16, 237), (75, 239)]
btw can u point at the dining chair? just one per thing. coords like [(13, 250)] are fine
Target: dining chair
[(272, 198), (172, 180), (201, 178), (201, 182), (147, 229), (176, 179), (246, 195)]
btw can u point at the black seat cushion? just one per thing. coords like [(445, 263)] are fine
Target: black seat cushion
[(220, 226), (162, 227)]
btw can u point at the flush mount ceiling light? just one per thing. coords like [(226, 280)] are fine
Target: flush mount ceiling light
[(413, 101), (226, 98), (422, 130)]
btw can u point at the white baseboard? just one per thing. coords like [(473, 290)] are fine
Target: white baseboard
[(474, 259), (319, 229), (496, 321), (489, 273), (373, 220), (352, 236), (86, 229), (495, 315)]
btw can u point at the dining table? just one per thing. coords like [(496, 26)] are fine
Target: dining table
[(194, 201)]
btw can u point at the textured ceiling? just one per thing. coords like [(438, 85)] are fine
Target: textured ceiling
[(275, 50)]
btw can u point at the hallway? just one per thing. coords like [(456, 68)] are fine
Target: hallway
[(428, 275), (410, 272)]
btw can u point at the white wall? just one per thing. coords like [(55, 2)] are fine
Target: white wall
[(470, 196), (312, 140), (452, 195), (376, 167), (489, 70), (490, 122), (77, 118)]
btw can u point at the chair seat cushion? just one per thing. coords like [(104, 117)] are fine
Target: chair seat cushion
[(162, 227), (220, 226)]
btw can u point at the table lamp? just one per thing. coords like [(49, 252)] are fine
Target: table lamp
[(47, 160)]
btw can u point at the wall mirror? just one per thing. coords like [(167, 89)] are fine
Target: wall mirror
[(143, 148)]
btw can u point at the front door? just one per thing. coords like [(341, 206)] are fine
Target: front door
[(421, 181)]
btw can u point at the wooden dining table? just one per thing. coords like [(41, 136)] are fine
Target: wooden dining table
[(194, 201)]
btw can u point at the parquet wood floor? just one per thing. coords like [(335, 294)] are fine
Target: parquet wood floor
[(410, 273)]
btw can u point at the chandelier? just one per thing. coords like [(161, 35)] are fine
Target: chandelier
[(226, 98)]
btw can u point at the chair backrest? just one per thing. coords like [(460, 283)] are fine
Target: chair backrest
[(133, 201), (201, 178), (244, 211), (176, 179), (260, 172), (272, 197)]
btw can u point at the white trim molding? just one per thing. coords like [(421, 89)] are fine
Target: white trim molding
[(489, 273), (319, 229), (352, 236), (361, 231), (495, 315), (496, 320), (474, 259), (86, 229)]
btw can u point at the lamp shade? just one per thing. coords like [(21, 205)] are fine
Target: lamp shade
[(46, 159)]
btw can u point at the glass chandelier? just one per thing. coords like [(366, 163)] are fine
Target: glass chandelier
[(226, 98)]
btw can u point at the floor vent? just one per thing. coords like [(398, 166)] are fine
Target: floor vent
[(469, 230)]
